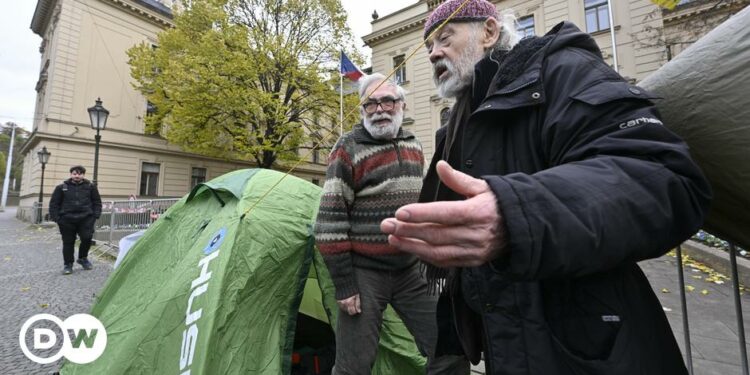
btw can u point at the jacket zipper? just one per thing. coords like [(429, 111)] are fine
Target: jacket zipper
[(488, 349)]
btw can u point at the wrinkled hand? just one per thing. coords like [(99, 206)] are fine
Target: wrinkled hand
[(350, 305), (464, 233)]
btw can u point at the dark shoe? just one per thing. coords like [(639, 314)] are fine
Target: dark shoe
[(68, 269), (84, 263)]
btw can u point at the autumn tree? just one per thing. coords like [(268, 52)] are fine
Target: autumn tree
[(245, 79)]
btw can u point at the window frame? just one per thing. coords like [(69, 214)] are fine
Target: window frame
[(145, 178), (399, 75), (193, 176), (597, 6), (523, 30)]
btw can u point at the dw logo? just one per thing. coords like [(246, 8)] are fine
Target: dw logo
[(84, 338)]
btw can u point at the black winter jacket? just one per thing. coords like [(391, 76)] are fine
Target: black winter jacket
[(589, 182), (71, 201)]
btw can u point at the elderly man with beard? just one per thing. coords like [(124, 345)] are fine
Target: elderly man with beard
[(552, 178), (372, 171)]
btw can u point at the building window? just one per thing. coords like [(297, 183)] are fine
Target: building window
[(149, 179), (526, 27), (400, 75), (597, 15), (316, 181), (316, 154), (198, 176)]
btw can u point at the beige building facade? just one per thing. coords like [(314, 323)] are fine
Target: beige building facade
[(642, 31), (83, 57)]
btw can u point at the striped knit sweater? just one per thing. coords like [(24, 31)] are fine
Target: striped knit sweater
[(367, 181)]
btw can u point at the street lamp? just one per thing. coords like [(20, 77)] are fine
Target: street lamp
[(43, 155), (98, 115)]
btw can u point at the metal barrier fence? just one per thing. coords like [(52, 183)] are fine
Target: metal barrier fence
[(121, 218), (737, 308), (118, 219)]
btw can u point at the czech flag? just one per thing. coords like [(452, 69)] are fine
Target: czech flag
[(348, 69)]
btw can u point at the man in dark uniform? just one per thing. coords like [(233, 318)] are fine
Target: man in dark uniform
[(75, 205)]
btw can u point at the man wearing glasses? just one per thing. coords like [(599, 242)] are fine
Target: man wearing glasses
[(75, 205), (372, 171)]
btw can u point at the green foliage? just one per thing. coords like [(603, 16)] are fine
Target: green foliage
[(244, 79), (17, 167)]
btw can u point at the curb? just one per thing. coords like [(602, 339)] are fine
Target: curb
[(718, 259)]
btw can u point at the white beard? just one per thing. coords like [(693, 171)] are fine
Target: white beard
[(460, 74), (379, 131)]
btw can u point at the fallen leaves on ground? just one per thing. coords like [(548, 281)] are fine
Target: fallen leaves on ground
[(710, 274)]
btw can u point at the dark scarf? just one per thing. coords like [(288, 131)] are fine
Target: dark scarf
[(491, 73)]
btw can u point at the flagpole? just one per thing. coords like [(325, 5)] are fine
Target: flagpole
[(341, 104), (612, 33)]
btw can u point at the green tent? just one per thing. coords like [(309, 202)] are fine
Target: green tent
[(228, 281)]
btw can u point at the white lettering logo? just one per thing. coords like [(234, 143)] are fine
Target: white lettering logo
[(84, 338), (193, 313), (640, 121)]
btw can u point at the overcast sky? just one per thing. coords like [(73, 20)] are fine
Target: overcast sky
[(20, 58)]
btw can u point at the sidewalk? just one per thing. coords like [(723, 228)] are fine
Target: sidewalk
[(31, 283), (711, 314)]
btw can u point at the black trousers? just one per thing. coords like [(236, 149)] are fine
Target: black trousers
[(84, 229)]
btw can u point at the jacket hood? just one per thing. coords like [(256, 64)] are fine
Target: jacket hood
[(522, 64), (567, 34)]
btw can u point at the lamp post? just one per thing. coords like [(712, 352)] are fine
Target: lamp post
[(43, 155), (98, 115)]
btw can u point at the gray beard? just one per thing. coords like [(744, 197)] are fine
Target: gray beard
[(383, 132), (461, 74)]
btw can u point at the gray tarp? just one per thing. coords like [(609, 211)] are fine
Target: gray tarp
[(706, 91)]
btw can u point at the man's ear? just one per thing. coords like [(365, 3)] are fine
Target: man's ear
[(490, 33)]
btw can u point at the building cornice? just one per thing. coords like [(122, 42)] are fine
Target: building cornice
[(37, 137), (395, 30), (42, 15), (693, 9), (145, 9)]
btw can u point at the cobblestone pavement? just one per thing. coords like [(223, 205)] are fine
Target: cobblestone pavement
[(31, 282)]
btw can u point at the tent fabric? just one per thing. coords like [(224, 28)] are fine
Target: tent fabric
[(214, 286), (706, 102)]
